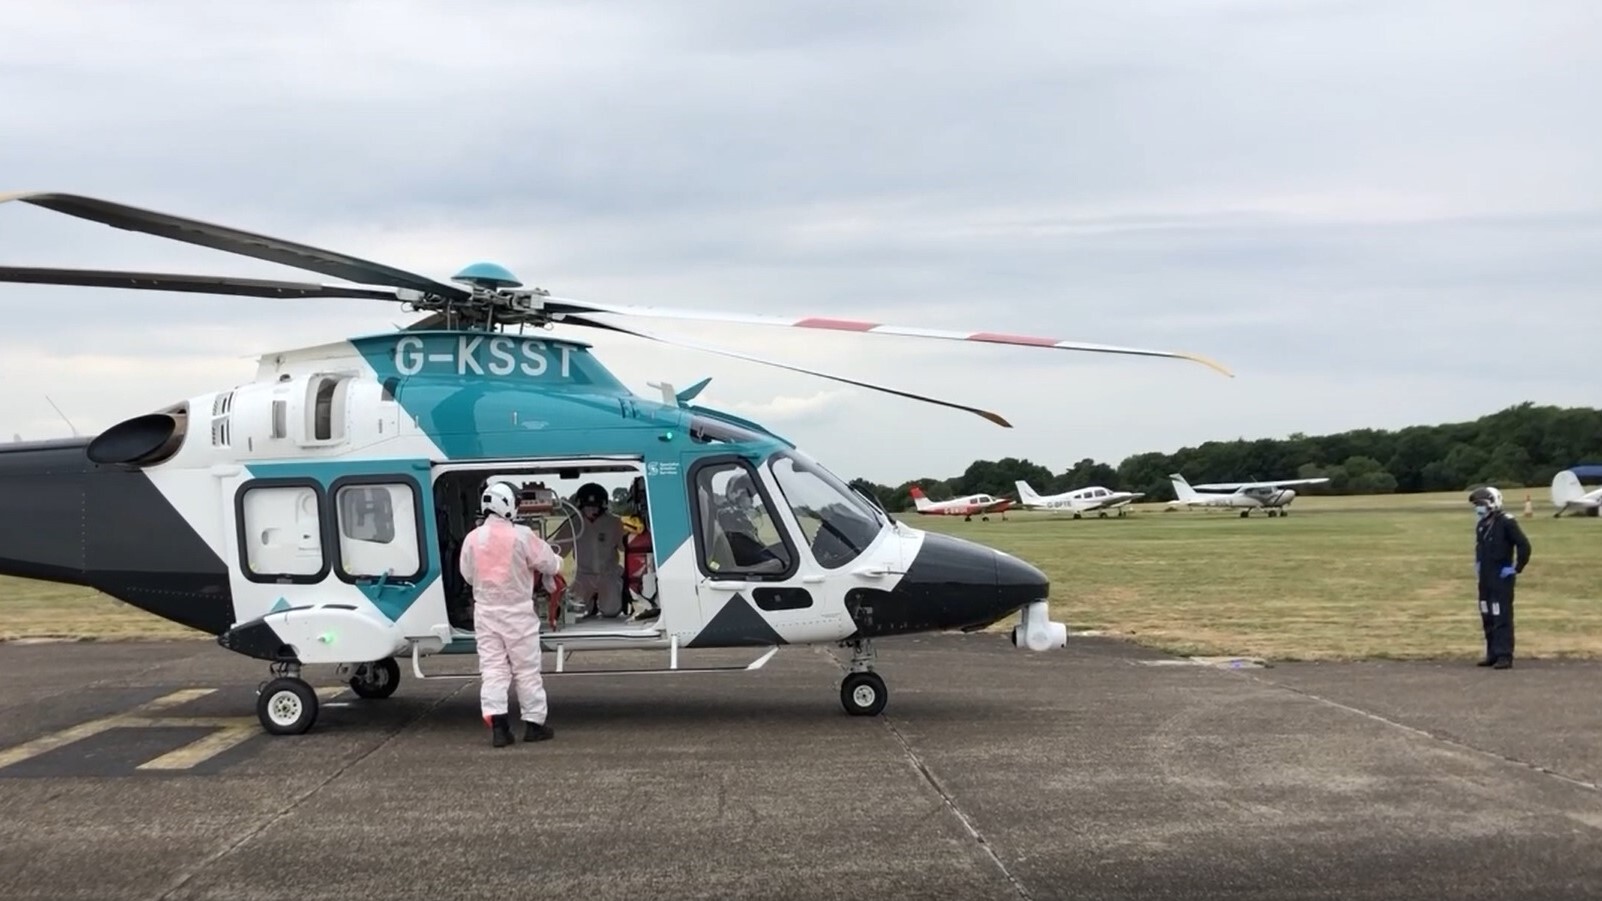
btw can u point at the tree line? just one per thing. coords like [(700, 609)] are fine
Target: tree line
[(1521, 446)]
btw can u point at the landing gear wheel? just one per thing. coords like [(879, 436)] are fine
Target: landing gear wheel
[(378, 679), (863, 694), (286, 706)]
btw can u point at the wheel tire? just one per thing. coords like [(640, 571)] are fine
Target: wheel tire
[(286, 706), (385, 678), (863, 694)]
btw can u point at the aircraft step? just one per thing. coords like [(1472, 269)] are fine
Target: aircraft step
[(560, 669)]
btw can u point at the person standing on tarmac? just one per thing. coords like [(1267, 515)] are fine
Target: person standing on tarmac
[(500, 559), (1501, 551)]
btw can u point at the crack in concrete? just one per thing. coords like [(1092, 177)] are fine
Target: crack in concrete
[(951, 805), (940, 789)]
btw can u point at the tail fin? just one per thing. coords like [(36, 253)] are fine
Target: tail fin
[(1566, 489), (1182, 489), (1026, 495), (918, 500)]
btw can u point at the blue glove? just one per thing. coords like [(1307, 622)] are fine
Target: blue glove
[(1507, 571)]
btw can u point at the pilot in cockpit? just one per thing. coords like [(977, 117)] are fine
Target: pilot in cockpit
[(738, 512)]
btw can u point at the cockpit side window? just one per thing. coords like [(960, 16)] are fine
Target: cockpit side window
[(837, 523), (737, 535)]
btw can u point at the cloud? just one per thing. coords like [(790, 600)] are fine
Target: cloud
[(1375, 213)]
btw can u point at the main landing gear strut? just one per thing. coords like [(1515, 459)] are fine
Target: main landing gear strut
[(862, 692)]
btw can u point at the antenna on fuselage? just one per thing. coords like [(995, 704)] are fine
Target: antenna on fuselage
[(62, 415)]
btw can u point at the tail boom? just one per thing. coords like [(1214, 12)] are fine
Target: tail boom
[(67, 520)]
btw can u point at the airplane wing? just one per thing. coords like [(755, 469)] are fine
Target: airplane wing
[(1238, 486)]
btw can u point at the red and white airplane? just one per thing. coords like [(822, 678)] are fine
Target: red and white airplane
[(965, 507)]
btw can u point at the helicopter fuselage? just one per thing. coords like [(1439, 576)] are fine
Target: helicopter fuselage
[(313, 515)]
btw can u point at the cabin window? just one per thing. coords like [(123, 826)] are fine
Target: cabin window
[(378, 530), (737, 534), (325, 408), (838, 524), (280, 532)]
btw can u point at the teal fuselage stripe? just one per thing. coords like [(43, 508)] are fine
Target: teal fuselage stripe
[(479, 397)]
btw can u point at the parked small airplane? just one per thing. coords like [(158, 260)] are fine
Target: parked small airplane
[(965, 507), (1093, 499), (1274, 496), (1568, 494)]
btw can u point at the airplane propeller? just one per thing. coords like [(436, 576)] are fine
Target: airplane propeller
[(492, 296)]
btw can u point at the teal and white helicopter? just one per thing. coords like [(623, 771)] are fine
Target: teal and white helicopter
[(312, 516)]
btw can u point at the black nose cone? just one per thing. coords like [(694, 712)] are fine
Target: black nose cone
[(951, 584), (1019, 583)]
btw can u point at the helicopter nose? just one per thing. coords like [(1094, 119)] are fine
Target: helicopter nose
[(1019, 583), (949, 584)]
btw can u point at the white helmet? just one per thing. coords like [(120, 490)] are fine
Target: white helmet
[(1488, 497), (500, 500)]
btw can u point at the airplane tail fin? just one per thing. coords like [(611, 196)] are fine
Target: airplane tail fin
[(918, 499), (1026, 495), (1566, 489), (1182, 489)]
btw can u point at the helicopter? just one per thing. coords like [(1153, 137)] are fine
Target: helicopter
[(311, 516)]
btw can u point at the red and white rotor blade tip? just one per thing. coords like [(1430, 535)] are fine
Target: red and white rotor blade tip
[(561, 304), (996, 418)]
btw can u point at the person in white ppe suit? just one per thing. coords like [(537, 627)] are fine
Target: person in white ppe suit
[(501, 559), (598, 553)]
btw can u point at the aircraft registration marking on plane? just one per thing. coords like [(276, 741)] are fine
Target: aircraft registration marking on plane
[(225, 732), (499, 356)]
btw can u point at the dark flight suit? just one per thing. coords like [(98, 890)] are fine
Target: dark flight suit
[(1496, 538)]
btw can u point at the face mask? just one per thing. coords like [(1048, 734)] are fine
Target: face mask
[(1480, 510)]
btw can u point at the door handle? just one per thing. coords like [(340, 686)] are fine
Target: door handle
[(812, 580), (727, 586), (871, 572)]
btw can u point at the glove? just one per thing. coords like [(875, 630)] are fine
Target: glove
[(1507, 571)]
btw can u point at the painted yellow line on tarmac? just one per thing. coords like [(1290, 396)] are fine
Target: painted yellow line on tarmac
[(230, 731), (202, 750)]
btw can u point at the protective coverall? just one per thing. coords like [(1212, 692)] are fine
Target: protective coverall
[(598, 564), (500, 560), (1497, 538)]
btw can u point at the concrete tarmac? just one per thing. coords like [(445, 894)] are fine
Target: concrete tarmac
[(139, 771)]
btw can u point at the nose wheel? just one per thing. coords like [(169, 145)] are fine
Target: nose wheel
[(863, 694)]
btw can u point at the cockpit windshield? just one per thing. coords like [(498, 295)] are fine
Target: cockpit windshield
[(839, 525)]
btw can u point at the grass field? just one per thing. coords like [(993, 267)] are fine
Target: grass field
[(1339, 578)]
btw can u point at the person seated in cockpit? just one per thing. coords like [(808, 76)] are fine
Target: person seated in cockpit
[(737, 516)]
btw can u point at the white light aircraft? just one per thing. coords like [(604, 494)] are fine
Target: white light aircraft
[(1568, 494), (1274, 496), (1092, 499)]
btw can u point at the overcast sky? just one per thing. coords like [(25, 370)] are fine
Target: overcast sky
[(1376, 213)]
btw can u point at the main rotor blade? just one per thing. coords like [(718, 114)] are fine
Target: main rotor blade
[(232, 240), (562, 305), (585, 321), (197, 284)]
